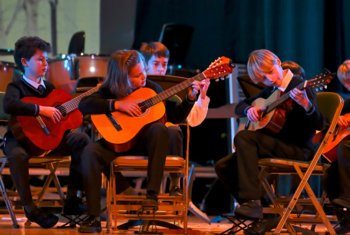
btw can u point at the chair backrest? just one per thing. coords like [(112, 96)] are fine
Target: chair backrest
[(329, 104), (167, 81), (249, 88)]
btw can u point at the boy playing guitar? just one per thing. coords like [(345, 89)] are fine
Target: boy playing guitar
[(31, 58)]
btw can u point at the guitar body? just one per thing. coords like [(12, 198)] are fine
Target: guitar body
[(130, 126), (273, 121), (120, 130), (329, 150), (28, 131)]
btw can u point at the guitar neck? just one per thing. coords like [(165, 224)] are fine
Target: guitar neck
[(170, 92), (71, 105), (282, 99)]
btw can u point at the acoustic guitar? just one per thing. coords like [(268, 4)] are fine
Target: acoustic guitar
[(272, 118), (39, 134), (340, 133), (120, 130)]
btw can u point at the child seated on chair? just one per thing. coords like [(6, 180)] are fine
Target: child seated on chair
[(157, 56), (239, 171), (127, 74), (337, 183), (31, 58)]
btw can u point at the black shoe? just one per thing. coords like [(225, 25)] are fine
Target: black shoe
[(45, 220), (251, 209), (342, 202), (342, 229), (90, 225), (261, 226), (74, 206), (343, 217), (176, 191)]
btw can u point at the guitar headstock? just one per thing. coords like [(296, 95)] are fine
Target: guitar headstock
[(219, 68), (320, 81)]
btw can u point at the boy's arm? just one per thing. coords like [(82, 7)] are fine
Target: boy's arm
[(198, 112), (95, 104), (14, 106), (243, 106)]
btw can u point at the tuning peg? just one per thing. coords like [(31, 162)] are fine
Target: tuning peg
[(216, 80), (222, 78), (326, 71)]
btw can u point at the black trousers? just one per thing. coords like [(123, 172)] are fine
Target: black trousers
[(72, 144), (152, 142), (175, 141), (175, 148), (343, 153), (239, 171), (337, 182)]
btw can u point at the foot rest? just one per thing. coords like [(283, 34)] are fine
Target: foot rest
[(239, 224), (148, 227)]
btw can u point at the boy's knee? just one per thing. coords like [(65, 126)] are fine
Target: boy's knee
[(18, 155)]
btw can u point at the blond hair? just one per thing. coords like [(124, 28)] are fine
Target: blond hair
[(260, 62), (343, 72)]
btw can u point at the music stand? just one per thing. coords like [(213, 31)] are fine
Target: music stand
[(177, 38), (77, 43), (248, 87)]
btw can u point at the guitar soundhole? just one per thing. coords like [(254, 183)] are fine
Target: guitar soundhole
[(144, 113)]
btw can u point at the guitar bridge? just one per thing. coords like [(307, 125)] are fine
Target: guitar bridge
[(43, 125), (115, 123)]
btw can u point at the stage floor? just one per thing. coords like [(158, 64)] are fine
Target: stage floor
[(195, 225)]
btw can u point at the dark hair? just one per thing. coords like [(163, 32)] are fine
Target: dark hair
[(119, 66), (26, 47), (294, 67), (154, 48)]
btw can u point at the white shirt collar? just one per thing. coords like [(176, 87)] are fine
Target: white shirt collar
[(287, 77), (34, 84)]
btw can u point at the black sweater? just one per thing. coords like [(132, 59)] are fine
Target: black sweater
[(19, 89), (103, 102), (346, 97), (300, 126)]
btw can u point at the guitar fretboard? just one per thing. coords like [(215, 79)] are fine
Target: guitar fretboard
[(71, 105), (283, 98), (170, 92)]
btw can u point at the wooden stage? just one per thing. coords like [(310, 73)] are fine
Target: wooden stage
[(196, 226)]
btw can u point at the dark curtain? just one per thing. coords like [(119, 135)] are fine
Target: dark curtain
[(314, 33)]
